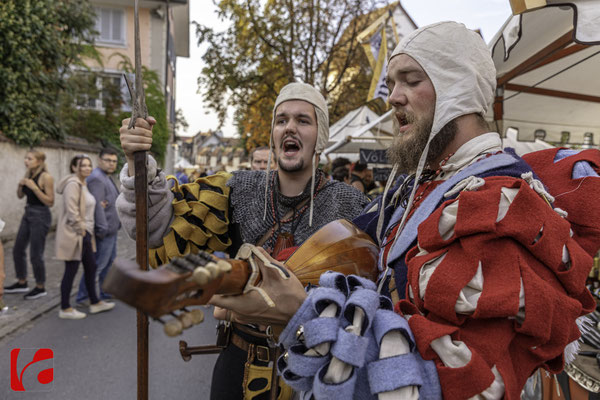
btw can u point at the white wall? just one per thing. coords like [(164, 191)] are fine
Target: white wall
[(13, 169)]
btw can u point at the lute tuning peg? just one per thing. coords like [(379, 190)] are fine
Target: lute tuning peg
[(183, 321), (212, 270)]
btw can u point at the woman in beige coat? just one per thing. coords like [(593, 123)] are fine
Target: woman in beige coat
[(75, 237)]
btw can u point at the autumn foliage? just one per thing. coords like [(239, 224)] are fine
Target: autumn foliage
[(266, 47)]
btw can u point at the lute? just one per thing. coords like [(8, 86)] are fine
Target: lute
[(195, 278)]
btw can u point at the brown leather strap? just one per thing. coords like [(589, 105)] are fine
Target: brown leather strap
[(260, 353), (274, 376), (250, 331), (393, 290), (275, 227)]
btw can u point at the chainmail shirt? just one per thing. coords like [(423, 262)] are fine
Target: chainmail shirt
[(334, 200)]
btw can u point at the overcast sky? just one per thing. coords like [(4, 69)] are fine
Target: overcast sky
[(488, 15)]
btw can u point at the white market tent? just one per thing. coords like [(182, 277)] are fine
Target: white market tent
[(183, 163), (349, 148), (548, 70), (522, 146), (361, 128), (353, 124)]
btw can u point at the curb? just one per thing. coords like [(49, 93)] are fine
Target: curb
[(20, 311)]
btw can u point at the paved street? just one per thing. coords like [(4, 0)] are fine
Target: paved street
[(22, 311), (95, 358)]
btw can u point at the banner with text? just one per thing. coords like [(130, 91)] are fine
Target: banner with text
[(370, 156)]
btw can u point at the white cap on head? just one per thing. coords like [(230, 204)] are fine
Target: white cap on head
[(459, 65), (308, 93), (304, 92), (463, 75)]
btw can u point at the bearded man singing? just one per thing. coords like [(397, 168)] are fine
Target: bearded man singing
[(486, 275), (275, 210)]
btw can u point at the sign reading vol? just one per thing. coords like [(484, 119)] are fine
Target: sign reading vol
[(368, 156)]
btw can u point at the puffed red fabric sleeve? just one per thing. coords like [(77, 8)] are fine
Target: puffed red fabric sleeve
[(496, 284)]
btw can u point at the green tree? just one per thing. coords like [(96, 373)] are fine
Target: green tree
[(266, 47), (155, 101), (76, 118), (180, 121), (41, 41)]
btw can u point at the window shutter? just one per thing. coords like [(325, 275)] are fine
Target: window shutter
[(110, 24), (105, 24), (117, 25)]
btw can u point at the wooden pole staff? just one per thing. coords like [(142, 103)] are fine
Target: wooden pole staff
[(141, 207)]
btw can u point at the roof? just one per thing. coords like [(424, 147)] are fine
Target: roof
[(364, 127), (548, 61)]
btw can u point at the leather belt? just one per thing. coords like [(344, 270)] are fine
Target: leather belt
[(250, 331), (261, 353)]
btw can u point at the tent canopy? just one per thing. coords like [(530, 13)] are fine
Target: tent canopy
[(350, 149), (547, 63), (361, 128), (523, 147), (183, 163)]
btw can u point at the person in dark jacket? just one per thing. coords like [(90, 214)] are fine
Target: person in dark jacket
[(107, 223)]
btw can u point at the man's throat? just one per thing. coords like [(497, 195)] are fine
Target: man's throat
[(292, 184)]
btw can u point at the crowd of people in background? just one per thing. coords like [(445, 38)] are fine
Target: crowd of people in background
[(86, 230), (88, 223), (356, 174)]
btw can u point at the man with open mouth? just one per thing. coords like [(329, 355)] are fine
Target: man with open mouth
[(485, 271), (275, 210)]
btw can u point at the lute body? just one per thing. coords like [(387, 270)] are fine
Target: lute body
[(195, 278)]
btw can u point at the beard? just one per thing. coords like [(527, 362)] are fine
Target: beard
[(299, 166), (406, 149)]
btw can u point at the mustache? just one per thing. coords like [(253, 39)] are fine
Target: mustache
[(405, 117)]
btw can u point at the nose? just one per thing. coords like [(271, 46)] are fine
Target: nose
[(290, 126), (397, 96)]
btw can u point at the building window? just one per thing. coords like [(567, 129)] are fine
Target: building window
[(109, 88), (110, 24)]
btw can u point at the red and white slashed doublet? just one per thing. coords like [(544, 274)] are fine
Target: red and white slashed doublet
[(495, 286), (578, 196)]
